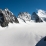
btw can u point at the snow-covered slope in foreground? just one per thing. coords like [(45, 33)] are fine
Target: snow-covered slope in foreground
[(22, 34)]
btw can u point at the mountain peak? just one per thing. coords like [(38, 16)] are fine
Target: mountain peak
[(42, 14), (7, 16), (24, 16), (35, 17)]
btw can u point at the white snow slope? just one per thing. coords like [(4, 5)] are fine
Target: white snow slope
[(22, 34)]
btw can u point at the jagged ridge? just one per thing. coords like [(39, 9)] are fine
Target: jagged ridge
[(7, 16), (25, 16)]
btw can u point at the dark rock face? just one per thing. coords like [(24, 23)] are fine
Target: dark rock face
[(35, 17), (6, 16), (16, 20)]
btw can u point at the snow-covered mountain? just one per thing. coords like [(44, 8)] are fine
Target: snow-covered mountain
[(42, 14), (35, 17), (25, 16), (7, 16), (23, 34), (10, 16)]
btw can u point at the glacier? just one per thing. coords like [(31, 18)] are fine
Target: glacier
[(24, 34)]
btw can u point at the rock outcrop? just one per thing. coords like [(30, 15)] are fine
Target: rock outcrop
[(25, 16), (35, 17), (7, 16)]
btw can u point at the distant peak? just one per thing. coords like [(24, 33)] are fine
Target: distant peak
[(24, 16), (7, 16)]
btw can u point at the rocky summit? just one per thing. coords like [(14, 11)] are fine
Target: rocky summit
[(35, 17), (7, 16), (25, 16)]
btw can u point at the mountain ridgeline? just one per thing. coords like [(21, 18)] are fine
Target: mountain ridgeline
[(7, 16)]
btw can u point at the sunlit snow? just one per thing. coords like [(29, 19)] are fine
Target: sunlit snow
[(22, 34)]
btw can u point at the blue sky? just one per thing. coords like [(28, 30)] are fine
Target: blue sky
[(17, 6)]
